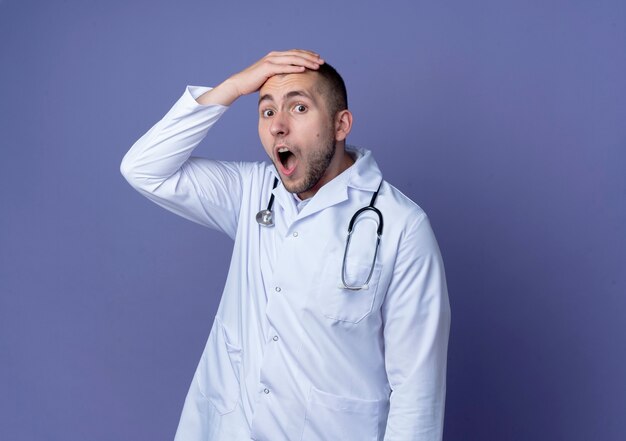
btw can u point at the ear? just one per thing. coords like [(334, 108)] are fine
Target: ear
[(343, 124)]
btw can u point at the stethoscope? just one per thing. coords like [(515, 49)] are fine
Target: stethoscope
[(265, 218)]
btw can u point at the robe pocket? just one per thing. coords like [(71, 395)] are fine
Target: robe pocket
[(333, 417), (347, 305), (219, 370)]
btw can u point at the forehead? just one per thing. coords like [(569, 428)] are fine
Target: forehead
[(279, 85)]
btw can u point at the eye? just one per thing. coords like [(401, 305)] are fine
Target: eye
[(300, 108), (267, 113)]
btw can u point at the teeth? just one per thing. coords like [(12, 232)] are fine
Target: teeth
[(283, 150)]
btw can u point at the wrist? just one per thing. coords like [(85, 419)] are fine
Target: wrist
[(230, 89), (224, 94)]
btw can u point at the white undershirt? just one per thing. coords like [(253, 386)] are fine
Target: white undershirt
[(300, 204)]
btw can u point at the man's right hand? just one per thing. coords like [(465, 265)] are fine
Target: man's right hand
[(252, 78)]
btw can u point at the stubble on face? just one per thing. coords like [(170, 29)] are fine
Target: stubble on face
[(316, 163)]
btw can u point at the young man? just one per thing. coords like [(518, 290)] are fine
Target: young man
[(319, 335)]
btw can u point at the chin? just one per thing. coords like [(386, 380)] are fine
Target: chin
[(293, 188), (296, 187)]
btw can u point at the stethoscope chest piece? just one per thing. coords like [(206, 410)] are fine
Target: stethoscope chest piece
[(265, 218)]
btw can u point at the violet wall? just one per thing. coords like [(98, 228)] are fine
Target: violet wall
[(504, 120)]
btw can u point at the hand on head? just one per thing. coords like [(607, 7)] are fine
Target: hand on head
[(253, 77), (275, 63)]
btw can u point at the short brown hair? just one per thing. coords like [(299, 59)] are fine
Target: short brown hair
[(333, 89)]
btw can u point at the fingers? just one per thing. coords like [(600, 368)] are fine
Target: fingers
[(300, 52), (292, 61), (279, 68), (252, 78), (295, 60), (296, 57)]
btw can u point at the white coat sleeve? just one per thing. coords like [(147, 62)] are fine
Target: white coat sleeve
[(159, 165), (416, 316)]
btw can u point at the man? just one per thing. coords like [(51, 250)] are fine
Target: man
[(313, 339)]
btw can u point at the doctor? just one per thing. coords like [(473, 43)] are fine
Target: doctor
[(319, 336)]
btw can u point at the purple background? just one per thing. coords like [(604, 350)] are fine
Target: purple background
[(504, 120)]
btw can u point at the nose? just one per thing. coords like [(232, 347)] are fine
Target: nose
[(279, 126)]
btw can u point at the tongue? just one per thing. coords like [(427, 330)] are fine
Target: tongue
[(289, 162)]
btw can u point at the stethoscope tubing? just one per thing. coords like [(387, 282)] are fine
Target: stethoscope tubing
[(265, 218)]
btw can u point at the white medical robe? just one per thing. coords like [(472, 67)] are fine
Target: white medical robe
[(292, 355)]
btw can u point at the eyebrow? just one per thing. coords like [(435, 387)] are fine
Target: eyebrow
[(293, 93)]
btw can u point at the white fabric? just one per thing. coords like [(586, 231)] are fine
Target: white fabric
[(291, 355)]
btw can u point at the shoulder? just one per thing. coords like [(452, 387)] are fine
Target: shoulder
[(407, 226), (400, 207)]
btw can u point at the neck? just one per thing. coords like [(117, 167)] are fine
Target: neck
[(343, 160)]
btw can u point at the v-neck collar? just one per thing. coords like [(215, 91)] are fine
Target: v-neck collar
[(364, 175)]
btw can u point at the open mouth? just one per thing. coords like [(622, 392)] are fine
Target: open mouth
[(287, 160)]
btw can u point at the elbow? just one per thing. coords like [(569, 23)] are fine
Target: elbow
[(127, 170), (137, 176)]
